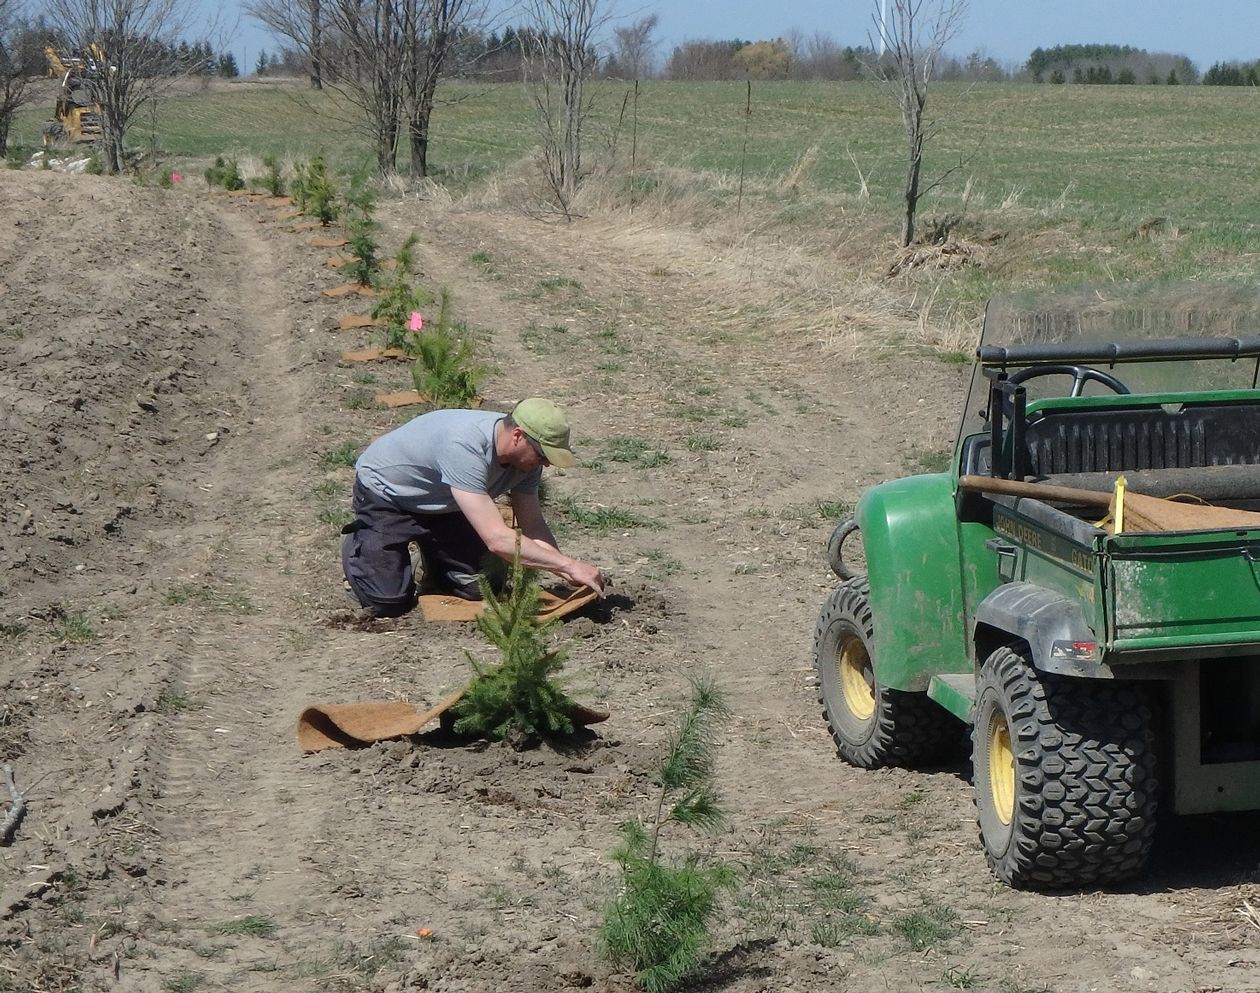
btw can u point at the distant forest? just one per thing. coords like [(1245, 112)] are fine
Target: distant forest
[(500, 56)]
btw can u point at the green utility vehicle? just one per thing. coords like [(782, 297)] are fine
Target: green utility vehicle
[(1106, 671)]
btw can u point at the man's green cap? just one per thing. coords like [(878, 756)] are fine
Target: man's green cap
[(543, 421)]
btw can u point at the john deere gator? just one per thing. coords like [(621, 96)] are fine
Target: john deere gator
[(1082, 587)]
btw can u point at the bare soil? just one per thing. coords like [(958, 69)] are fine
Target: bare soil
[(173, 409)]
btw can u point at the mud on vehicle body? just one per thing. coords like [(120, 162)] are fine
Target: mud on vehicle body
[(1107, 671)]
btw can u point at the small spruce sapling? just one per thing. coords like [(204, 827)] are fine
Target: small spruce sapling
[(400, 300), (517, 699), (361, 226), (273, 179), (660, 923), (445, 369), (320, 197)]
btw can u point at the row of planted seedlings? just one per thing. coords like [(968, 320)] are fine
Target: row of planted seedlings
[(670, 895), (659, 921)]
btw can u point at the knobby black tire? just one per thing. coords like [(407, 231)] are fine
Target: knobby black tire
[(905, 729), (1085, 787)]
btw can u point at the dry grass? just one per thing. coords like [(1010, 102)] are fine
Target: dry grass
[(743, 273)]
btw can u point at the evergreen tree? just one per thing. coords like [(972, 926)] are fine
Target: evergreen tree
[(263, 63), (227, 66)]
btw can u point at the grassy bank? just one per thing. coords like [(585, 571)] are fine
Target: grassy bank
[(1074, 182)]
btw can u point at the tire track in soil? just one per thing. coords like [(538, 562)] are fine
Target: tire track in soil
[(234, 821)]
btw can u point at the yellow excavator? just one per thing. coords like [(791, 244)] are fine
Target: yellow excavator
[(77, 116)]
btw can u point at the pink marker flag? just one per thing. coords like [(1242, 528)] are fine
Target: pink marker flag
[(416, 323), (176, 177)]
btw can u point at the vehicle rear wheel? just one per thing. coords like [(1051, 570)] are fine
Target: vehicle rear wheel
[(872, 725), (1064, 775)]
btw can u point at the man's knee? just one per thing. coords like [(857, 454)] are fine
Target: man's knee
[(380, 578)]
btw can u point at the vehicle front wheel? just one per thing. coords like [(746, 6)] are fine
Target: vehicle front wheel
[(1064, 775), (872, 725)]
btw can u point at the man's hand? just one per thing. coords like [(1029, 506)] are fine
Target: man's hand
[(581, 574)]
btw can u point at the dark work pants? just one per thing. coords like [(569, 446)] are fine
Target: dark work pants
[(377, 561)]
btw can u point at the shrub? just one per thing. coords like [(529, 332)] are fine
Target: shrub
[(517, 699), (660, 923)]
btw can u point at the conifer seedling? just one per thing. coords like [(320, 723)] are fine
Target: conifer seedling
[(518, 699), (661, 921)]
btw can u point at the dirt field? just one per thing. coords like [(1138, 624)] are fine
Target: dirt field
[(175, 412)]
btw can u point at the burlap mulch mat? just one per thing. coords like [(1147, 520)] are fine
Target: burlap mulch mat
[(409, 398), (352, 322), (347, 289), (375, 355), (440, 607), (352, 725)]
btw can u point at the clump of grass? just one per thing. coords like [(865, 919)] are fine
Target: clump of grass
[(359, 399), (518, 698), (927, 927), (172, 701), (928, 460), (601, 518), (185, 982), (74, 627), (661, 921), (230, 601), (635, 451), (253, 925), (345, 454), (559, 283)]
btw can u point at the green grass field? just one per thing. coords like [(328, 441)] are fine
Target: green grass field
[(1133, 181)]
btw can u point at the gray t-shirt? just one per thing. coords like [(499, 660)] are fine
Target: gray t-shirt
[(417, 465)]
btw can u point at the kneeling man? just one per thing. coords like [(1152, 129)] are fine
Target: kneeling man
[(434, 481)]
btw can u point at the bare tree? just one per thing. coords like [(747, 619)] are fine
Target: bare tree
[(301, 22), (436, 27), (560, 62), (131, 42), (386, 57), (16, 66), (633, 44), (913, 36)]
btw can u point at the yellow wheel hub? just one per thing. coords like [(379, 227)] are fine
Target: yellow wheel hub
[(1001, 769), (854, 667)]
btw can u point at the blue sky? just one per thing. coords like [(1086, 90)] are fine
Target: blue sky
[(1205, 30)]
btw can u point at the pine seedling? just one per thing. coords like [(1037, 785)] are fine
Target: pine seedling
[(363, 266), (445, 370), (660, 924), (517, 699), (320, 198), (297, 188), (273, 180), (231, 176), (400, 300), (214, 173)]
